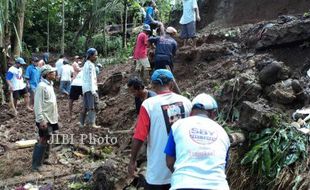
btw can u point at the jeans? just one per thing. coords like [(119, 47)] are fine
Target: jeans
[(65, 87)]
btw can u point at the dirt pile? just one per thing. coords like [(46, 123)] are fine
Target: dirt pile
[(253, 86)]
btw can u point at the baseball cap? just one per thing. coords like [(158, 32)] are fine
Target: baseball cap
[(146, 27), (163, 76), (204, 101), (20, 61), (35, 59), (45, 69), (171, 30), (99, 65)]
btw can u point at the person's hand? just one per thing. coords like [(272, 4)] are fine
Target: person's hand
[(198, 18), (43, 125), (132, 168), (95, 94)]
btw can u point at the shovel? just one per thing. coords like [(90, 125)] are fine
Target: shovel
[(174, 82)]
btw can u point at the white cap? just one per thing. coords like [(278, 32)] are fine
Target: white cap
[(204, 101)]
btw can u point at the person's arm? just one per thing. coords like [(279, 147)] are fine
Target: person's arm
[(9, 77), (38, 101), (92, 76), (27, 76), (136, 146), (141, 133), (196, 8), (174, 48), (170, 152), (161, 28)]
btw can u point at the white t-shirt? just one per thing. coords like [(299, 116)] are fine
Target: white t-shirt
[(156, 116), (66, 72), (17, 80), (189, 13), (78, 80), (59, 63), (201, 147)]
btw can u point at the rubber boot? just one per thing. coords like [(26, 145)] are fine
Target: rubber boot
[(92, 119), (37, 157), (47, 155), (82, 119)]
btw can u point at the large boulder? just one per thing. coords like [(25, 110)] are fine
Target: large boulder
[(111, 85), (236, 90), (281, 92), (270, 73), (285, 30), (255, 116)]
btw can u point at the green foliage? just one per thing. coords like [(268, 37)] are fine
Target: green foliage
[(275, 148)]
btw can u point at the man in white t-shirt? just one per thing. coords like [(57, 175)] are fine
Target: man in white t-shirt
[(197, 149), (75, 91), (15, 81), (66, 72), (156, 116), (59, 64), (188, 21)]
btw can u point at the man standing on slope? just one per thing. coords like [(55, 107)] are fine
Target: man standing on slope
[(33, 77), (90, 88), (143, 66), (15, 80), (197, 149), (166, 48), (156, 116), (46, 115), (188, 21)]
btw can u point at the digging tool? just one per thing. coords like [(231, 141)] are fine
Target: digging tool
[(174, 82), (12, 103)]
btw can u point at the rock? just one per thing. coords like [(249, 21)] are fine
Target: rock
[(270, 73), (257, 116), (245, 87), (101, 105), (296, 86), (281, 92), (275, 33), (295, 124), (111, 85)]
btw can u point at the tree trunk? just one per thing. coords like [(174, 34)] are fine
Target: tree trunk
[(5, 39), (63, 28), (125, 24), (105, 49), (48, 29), (20, 28)]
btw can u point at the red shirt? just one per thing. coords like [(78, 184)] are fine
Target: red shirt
[(141, 46)]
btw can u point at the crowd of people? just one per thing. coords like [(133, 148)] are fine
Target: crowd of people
[(186, 148)]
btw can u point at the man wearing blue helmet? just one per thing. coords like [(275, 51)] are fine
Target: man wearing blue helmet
[(156, 116), (197, 148), (15, 81)]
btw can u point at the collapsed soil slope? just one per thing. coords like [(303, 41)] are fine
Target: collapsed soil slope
[(230, 63)]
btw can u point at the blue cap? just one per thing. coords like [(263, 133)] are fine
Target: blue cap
[(163, 76), (20, 61), (45, 57), (90, 52), (146, 27), (35, 59)]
